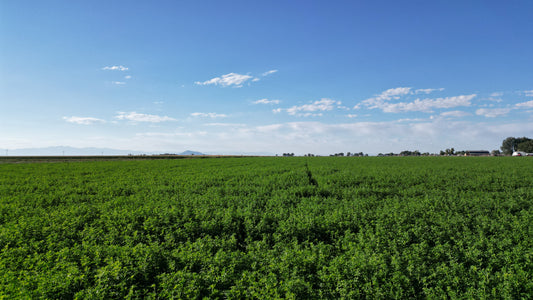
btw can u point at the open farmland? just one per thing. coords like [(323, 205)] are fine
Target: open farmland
[(317, 227)]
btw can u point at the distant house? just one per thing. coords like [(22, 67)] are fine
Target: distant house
[(522, 153), (477, 153)]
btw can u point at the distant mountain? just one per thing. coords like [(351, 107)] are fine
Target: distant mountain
[(69, 151), (90, 151), (190, 152)]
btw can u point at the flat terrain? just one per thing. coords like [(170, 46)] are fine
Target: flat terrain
[(268, 227)]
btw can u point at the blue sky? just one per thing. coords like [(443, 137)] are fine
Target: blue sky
[(235, 77)]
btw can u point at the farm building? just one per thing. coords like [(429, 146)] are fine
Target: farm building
[(477, 153)]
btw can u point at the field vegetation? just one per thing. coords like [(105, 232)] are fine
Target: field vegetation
[(270, 227)]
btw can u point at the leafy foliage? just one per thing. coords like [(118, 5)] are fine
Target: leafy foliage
[(519, 144), (344, 227), (526, 146)]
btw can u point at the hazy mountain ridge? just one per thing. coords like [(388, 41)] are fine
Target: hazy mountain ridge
[(190, 152), (90, 151), (73, 151)]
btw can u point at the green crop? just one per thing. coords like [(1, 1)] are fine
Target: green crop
[(320, 227)]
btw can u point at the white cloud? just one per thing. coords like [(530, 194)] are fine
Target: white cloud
[(208, 115), (413, 120), (427, 91), (227, 80), (492, 113), (455, 114), (307, 110), (116, 68), (266, 101), (308, 114), (136, 117), (83, 120), (494, 97), (171, 134), (394, 93), (528, 93), (426, 105), (378, 100), (269, 72), (225, 124), (528, 104), (118, 82), (351, 116), (127, 77), (381, 101)]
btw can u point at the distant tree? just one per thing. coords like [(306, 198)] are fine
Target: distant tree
[(449, 151), (526, 146), (405, 153), (508, 145), (511, 144), (410, 153), (442, 152), (495, 153)]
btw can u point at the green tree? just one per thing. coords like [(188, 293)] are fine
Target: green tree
[(526, 146), (508, 145), (511, 144), (449, 151)]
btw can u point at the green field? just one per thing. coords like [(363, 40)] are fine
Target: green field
[(320, 227)]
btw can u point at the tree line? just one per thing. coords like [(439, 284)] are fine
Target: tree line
[(509, 145)]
